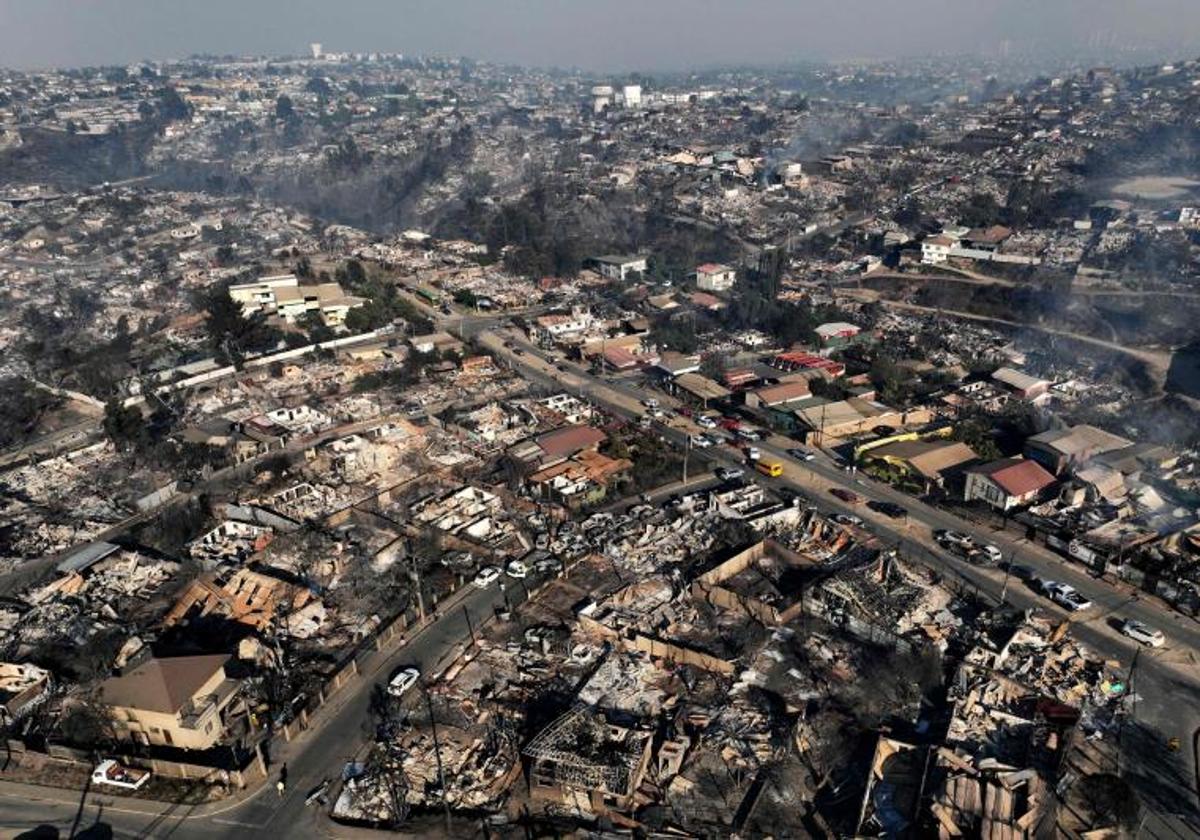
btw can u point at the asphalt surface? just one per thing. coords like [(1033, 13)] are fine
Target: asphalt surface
[(335, 737), (1166, 681)]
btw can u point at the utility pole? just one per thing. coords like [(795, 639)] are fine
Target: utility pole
[(1129, 693), (415, 577), (437, 753), (1007, 571), (470, 628), (687, 449)]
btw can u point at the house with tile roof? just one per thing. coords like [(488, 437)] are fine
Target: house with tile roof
[(176, 701), (1007, 483)]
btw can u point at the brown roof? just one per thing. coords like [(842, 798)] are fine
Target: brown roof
[(784, 392), (994, 234), (564, 442), (1016, 476), (929, 458), (162, 685)]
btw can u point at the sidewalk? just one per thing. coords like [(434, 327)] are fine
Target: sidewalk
[(281, 752)]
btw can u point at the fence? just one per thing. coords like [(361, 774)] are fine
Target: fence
[(240, 777), (369, 645)]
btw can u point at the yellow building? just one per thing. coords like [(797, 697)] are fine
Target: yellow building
[(178, 701)]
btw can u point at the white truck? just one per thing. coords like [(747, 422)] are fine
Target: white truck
[(112, 772)]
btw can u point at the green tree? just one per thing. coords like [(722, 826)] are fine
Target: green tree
[(22, 407), (284, 109), (125, 426)]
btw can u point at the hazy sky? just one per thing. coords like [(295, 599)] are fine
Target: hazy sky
[(596, 34)]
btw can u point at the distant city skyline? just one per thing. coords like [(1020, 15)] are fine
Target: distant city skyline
[(613, 36)]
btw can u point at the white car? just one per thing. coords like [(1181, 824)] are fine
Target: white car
[(402, 681), (994, 554), (1143, 633), (728, 473), (947, 538), (701, 442), (487, 576), (516, 569), (706, 422), (650, 402)]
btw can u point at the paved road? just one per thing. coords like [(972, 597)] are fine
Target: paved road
[(334, 738), (1157, 360), (1167, 680)]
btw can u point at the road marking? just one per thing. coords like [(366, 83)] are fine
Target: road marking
[(222, 821)]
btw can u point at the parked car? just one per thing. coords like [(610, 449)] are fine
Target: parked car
[(701, 442), (705, 422), (957, 539), (847, 519), (728, 473), (112, 772), (1143, 633), (975, 555), (650, 402), (402, 680), (487, 576), (845, 495), (516, 569), (801, 454), (1066, 596), (995, 555), (1021, 571), (891, 509)]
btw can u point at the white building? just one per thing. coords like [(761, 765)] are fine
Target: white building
[(617, 267), (714, 277), (283, 295), (632, 94), (936, 249), (557, 327)]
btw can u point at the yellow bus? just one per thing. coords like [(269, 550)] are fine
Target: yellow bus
[(771, 468)]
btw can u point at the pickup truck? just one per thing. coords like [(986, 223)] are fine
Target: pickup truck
[(112, 772), (1065, 595)]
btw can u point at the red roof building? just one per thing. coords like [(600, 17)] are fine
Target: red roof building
[(798, 359), (1007, 483)]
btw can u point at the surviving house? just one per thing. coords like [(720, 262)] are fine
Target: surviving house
[(714, 277), (283, 295), (922, 464), (618, 267), (1020, 384), (1007, 483), (178, 701), (1061, 450)]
